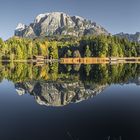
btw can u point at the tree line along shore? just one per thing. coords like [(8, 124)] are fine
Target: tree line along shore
[(68, 47)]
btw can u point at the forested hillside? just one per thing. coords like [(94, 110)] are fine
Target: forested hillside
[(66, 46)]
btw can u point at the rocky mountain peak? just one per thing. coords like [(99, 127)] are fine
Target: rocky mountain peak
[(58, 23), (20, 27)]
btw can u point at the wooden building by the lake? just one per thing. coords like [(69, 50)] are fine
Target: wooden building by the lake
[(38, 58)]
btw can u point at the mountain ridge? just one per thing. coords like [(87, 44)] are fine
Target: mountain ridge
[(131, 37), (59, 23)]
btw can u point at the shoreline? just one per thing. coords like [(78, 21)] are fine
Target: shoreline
[(87, 60), (32, 61), (98, 60)]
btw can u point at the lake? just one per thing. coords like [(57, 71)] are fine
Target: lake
[(70, 102)]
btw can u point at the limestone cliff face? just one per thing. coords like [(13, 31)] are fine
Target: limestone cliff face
[(58, 23), (59, 94)]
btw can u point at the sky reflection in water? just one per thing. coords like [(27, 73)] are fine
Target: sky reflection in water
[(97, 104)]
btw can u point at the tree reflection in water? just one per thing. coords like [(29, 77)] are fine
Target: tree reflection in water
[(58, 85)]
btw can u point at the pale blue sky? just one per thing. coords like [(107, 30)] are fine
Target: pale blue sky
[(115, 15)]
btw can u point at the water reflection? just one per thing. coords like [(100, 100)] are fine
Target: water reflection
[(59, 85), (58, 93), (113, 115)]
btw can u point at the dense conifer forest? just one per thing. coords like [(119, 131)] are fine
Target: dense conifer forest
[(67, 46)]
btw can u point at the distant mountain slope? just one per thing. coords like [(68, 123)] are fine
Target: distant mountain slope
[(131, 37), (58, 23)]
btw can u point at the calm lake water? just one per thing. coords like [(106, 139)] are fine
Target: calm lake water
[(70, 102)]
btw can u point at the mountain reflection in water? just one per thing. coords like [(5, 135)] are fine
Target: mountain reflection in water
[(59, 85), (58, 94), (66, 105)]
